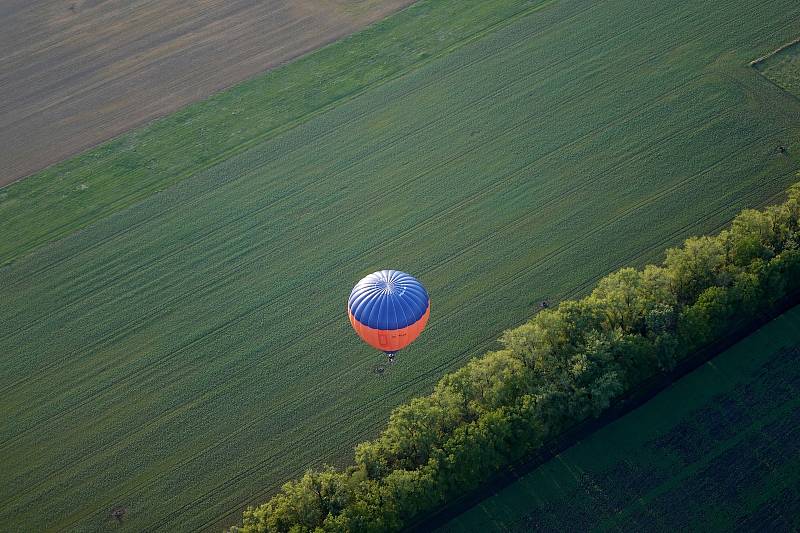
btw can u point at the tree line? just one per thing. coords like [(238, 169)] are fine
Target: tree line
[(564, 365)]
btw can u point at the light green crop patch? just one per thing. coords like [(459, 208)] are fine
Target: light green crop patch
[(782, 67)]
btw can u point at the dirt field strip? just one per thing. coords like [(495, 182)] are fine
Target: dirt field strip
[(75, 73)]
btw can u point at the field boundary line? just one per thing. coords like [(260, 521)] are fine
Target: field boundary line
[(221, 183)]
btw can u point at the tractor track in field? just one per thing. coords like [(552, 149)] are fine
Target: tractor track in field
[(631, 259)]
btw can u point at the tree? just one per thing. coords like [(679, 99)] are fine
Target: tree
[(752, 236), (660, 319), (485, 383), (618, 296), (694, 267), (540, 342)]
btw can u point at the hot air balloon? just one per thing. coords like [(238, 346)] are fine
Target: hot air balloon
[(389, 309)]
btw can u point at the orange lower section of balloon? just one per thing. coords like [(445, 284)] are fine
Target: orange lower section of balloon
[(390, 340)]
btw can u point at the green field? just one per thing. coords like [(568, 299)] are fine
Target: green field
[(717, 451), (184, 356)]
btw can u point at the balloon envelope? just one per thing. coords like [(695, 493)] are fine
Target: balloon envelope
[(389, 309)]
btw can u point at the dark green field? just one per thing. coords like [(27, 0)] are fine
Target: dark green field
[(183, 356), (717, 451)]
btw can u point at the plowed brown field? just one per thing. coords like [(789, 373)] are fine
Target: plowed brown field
[(77, 72)]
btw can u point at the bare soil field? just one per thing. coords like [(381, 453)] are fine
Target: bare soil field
[(77, 72)]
